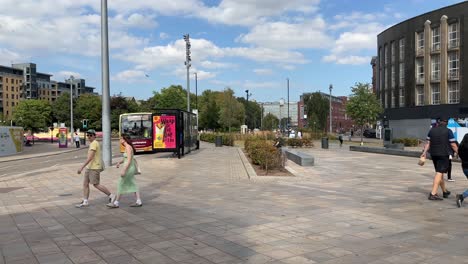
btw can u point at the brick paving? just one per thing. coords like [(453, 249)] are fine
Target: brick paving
[(350, 207)]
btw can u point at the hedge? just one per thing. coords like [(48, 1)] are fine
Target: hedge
[(408, 142)]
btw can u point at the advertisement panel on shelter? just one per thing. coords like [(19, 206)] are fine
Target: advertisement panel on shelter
[(62, 138), (164, 129)]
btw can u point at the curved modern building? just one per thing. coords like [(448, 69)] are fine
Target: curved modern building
[(420, 71)]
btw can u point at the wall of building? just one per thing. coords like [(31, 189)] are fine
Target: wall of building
[(12, 93), (410, 128)]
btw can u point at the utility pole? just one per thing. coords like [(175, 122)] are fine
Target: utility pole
[(246, 106), (187, 64), (330, 87), (71, 109), (196, 91), (106, 124), (288, 106)]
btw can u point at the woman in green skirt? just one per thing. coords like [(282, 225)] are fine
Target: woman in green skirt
[(127, 178)]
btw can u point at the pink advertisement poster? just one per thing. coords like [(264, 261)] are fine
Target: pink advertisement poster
[(164, 129)]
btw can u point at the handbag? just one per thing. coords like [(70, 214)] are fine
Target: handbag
[(421, 161)]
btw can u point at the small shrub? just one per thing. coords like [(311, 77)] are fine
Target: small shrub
[(408, 142), (295, 142), (307, 142)]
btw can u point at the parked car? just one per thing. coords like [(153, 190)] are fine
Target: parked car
[(369, 133)]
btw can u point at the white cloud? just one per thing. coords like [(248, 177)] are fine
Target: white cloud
[(251, 84), (62, 75), (134, 20), (263, 71), (215, 65), (8, 57), (181, 72), (282, 35), (130, 76), (163, 35), (352, 60), (247, 12)]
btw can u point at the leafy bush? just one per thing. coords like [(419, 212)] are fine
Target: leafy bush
[(263, 153), (295, 142), (408, 142), (307, 142)]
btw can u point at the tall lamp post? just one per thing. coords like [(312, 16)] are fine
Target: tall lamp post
[(196, 91), (188, 64), (287, 79), (106, 121), (247, 104), (71, 109), (330, 87)]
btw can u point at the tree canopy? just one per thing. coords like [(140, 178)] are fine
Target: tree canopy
[(33, 115), (363, 106), (317, 109)]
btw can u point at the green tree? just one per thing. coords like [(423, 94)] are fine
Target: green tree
[(34, 115), (317, 108), (253, 112), (232, 112), (174, 97), (61, 109), (270, 122), (363, 106), (88, 106), (121, 105), (209, 110)]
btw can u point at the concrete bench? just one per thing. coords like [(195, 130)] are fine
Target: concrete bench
[(300, 158), (395, 146)]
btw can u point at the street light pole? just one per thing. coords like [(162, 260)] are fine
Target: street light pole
[(196, 91), (71, 109), (106, 123), (187, 64), (330, 87), (288, 106)]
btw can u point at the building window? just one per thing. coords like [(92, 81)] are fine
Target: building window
[(392, 105), (386, 54), (435, 92), (436, 39), (435, 68), (453, 63), (392, 50), (420, 41), (402, 97), (402, 49), (453, 93), (420, 95), (12, 103), (401, 83), (453, 36), (420, 71), (393, 77)]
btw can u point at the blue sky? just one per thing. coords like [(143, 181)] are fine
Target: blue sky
[(242, 44)]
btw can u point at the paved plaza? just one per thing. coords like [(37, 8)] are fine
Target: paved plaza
[(351, 207)]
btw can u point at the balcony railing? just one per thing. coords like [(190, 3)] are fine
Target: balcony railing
[(453, 43), (453, 75)]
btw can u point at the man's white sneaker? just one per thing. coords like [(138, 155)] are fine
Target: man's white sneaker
[(451, 180), (82, 204)]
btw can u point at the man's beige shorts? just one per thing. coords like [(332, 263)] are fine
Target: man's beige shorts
[(93, 176)]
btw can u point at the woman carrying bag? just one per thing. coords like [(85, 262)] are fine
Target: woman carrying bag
[(127, 177)]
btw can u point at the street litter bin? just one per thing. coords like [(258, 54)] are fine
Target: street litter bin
[(83, 141), (325, 143), (219, 141)]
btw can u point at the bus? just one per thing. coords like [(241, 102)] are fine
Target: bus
[(139, 126)]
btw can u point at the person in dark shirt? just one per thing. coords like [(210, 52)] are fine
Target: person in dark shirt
[(439, 140), (463, 154)]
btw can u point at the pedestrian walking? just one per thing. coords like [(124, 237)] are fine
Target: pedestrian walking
[(127, 177), (94, 166), (340, 138), (299, 134), (463, 154), (439, 139), (76, 138)]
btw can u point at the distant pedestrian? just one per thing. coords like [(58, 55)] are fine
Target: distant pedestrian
[(340, 138), (439, 139), (94, 166), (127, 177), (76, 137), (463, 154), (299, 134)]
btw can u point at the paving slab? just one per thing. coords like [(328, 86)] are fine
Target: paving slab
[(351, 207)]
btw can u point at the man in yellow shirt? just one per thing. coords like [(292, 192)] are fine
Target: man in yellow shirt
[(93, 171)]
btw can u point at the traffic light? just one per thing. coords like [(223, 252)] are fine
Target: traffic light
[(85, 123)]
